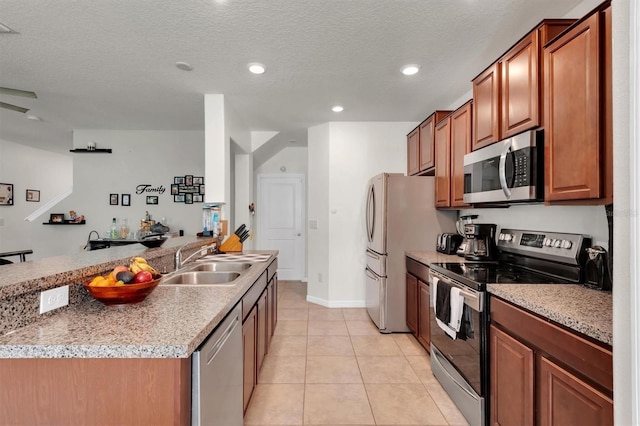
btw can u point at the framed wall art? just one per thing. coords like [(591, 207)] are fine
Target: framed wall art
[(113, 199), (188, 189), (126, 199), (56, 217), (152, 199), (33, 195), (6, 194)]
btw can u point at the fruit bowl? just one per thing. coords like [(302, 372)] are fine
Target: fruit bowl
[(123, 294)]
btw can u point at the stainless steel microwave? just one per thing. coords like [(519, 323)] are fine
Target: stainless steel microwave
[(507, 171)]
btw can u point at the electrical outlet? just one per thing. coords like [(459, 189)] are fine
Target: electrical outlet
[(54, 298)]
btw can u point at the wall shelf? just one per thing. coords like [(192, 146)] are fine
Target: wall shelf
[(66, 222), (93, 151)]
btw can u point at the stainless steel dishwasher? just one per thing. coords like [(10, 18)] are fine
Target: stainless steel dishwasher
[(216, 388)]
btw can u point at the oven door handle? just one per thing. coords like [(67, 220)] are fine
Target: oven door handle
[(472, 299), (502, 169)]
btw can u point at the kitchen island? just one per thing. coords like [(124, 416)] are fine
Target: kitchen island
[(88, 363)]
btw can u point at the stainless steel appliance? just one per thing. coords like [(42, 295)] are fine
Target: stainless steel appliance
[(400, 216), (507, 171), (216, 375), (461, 365), (480, 241), (448, 243), (462, 220)]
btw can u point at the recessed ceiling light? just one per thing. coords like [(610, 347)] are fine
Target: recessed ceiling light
[(184, 66), (256, 68), (337, 108), (33, 117), (410, 69)]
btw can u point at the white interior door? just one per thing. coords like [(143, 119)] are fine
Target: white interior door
[(280, 212)]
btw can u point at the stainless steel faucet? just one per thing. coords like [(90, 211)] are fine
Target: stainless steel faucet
[(202, 251)]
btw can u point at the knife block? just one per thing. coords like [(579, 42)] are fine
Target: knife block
[(231, 244)]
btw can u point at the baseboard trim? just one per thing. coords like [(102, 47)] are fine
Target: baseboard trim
[(336, 303)]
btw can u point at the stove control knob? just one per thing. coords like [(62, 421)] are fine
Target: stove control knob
[(566, 244), (548, 242), (508, 237), (556, 243)]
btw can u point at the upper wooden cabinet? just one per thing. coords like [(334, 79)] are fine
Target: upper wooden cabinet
[(413, 152), (507, 95), (453, 141), (421, 145), (486, 98), (578, 134), (461, 139)]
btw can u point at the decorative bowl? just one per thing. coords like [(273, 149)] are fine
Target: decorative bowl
[(153, 241), (124, 294)]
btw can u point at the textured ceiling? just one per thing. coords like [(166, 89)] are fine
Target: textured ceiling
[(110, 64)]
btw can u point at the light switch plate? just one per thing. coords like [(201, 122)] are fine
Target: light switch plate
[(54, 298), (313, 224)]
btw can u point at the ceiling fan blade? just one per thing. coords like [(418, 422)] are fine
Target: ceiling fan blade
[(13, 107), (17, 92)]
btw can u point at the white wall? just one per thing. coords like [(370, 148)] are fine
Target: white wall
[(346, 155), (30, 168), (139, 157)]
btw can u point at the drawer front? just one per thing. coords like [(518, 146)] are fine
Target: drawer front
[(417, 269), (251, 297), (592, 360)]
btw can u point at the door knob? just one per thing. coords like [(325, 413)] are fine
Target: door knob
[(298, 234)]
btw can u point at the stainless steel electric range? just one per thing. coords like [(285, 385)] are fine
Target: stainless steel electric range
[(461, 365)]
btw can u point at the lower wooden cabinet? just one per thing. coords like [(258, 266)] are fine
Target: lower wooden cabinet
[(512, 381), (418, 312), (566, 399), (424, 322), (262, 330), (544, 374), (249, 327), (412, 303)]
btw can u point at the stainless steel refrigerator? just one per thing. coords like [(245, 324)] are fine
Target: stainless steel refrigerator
[(400, 216)]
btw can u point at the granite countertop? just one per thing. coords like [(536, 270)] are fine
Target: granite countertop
[(575, 306), (170, 323)]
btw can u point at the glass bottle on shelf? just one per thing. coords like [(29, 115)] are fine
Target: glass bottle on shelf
[(114, 229), (124, 229)]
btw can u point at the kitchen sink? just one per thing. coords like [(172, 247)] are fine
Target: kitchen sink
[(201, 278), (220, 266)]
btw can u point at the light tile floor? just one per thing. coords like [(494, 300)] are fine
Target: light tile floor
[(332, 367)]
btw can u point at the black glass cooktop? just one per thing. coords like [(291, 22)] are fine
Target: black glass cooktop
[(477, 275)]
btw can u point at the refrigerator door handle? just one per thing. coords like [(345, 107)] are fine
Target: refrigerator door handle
[(371, 275), (373, 255), (371, 213)]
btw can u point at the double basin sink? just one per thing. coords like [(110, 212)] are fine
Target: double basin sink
[(207, 274)]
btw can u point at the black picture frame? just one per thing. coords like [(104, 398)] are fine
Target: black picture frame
[(178, 198), (188, 198), (178, 180), (198, 180), (202, 189), (33, 195), (152, 199), (188, 180), (174, 189), (6, 194), (126, 200), (113, 199), (197, 198), (56, 218)]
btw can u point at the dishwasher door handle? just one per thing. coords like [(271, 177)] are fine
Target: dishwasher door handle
[(222, 340)]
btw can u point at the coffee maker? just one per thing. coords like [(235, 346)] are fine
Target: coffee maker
[(460, 224), (480, 241)]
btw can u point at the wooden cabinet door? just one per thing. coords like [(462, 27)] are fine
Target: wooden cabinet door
[(443, 164), (461, 138), (512, 380), (424, 321), (520, 87), (564, 399), (249, 355), (262, 330), (572, 95), (486, 101), (427, 149), (412, 303), (413, 152), (272, 310)]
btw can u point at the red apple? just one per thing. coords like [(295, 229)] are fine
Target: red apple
[(143, 277)]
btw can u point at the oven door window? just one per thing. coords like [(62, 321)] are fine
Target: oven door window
[(462, 353)]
